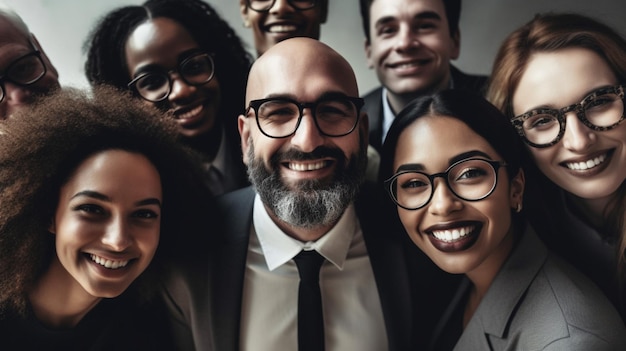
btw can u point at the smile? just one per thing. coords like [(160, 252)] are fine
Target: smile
[(191, 113), (305, 167), (585, 165), (110, 264), (453, 234), (281, 28)]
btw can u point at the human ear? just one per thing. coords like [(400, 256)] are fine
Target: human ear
[(516, 197), (244, 132), (243, 10)]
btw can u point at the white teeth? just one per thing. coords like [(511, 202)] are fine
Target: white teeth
[(586, 164), (408, 65), (190, 113), (301, 167), (108, 263), (282, 28), (452, 235)]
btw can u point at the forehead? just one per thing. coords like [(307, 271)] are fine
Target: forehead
[(158, 38), (560, 78), (435, 140), (405, 9), (303, 77), (12, 40)]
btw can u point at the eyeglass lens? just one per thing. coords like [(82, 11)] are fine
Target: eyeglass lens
[(265, 5), (26, 70), (470, 180), (602, 110), (280, 118), (195, 70)]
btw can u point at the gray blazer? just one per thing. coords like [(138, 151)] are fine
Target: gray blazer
[(538, 302)]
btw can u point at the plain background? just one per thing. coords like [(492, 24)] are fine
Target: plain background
[(63, 25)]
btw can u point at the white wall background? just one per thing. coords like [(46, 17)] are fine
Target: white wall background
[(62, 26)]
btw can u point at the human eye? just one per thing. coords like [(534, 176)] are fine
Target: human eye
[(196, 66), (541, 121), (471, 173), (425, 26), (413, 183), (145, 214), (23, 70), (335, 109), (151, 81), (90, 210), (386, 29), (278, 111), (600, 102)]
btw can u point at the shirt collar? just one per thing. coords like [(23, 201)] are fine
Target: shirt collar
[(279, 248)]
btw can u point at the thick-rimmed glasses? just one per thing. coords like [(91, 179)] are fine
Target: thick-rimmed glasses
[(334, 116), (601, 110), (196, 69), (471, 179), (23, 71), (266, 5)]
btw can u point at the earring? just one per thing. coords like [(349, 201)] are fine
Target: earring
[(246, 23), (518, 209)]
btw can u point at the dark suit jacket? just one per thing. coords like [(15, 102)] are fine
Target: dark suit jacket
[(206, 312), (374, 104)]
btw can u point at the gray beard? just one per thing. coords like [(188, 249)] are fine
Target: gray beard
[(314, 203)]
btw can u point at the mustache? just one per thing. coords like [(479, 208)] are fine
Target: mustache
[(297, 155)]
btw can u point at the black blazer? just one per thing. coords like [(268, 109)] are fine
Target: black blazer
[(206, 312), (374, 103)]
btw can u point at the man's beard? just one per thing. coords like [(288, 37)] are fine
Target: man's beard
[(313, 203)]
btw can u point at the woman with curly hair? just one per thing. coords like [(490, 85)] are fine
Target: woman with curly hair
[(96, 193), (180, 56)]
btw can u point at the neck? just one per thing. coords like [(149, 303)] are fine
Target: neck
[(207, 144), (483, 275), (299, 233), (58, 300), (591, 210)]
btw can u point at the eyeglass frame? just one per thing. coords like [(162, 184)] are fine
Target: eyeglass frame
[(495, 165), (518, 121), (248, 5), (133, 83), (4, 77), (255, 104)]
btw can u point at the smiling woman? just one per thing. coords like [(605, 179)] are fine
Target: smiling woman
[(94, 189), (470, 222)]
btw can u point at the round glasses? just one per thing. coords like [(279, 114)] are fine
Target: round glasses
[(471, 180), (601, 110), (155, 86), (266, 5), (23, 71), (334, 116)]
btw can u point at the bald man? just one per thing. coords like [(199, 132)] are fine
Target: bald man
[(26, 71), (304, 140)]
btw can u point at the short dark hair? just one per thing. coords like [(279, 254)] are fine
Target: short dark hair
[(41, 146), (453, 14)]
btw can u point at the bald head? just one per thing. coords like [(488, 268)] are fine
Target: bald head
[(13, 19), (299, 65)]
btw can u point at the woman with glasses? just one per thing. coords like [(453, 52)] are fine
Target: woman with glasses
[(559, 80), (180, 56), (452, 166), (96, 195)]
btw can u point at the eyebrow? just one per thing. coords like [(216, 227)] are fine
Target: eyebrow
[(551, 107), (325, 95), (464, 155), (99, 196), (426, 15), (153, 67)]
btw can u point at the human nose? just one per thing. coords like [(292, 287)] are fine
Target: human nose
[(443, 200), (280, 6), (577, 137), (15, 96), (307, 136), (406, 39), (180, 89), (117, 236)]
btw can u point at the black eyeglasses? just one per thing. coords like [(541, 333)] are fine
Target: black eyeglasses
[(471, 179), (196, 70), (601, 110), (334, 116), (266, 5), (24, 71)]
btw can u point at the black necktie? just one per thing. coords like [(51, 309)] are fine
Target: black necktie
[(310, 316)]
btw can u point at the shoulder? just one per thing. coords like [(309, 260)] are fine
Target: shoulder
[(475, 82), (562, 309)]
